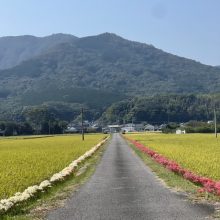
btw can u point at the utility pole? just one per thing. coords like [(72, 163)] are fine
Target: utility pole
[(49, 127), (215, 121), (82, 124)]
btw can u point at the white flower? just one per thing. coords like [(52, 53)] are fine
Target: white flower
[(5, 204), (14, 199), (2, 207), (25, 196), (56, 177), (18, 194), (73, 165), (65, 172), (44, 184), (32, 190)]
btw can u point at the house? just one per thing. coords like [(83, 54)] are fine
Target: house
[(94, 128), (2, 133), (114, 128), (162, 126), (179, 131), (71, 129), (128, 128), (139, 127), (149, 127)]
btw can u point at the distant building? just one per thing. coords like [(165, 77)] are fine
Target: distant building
[(114, 128), (161, 127), (128, 128), (76, 127), (139, 127), (182, 124), (71, 129), (179, 131), (2, 133), (149, 127)]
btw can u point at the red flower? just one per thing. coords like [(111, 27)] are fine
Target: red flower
[(208, 184)]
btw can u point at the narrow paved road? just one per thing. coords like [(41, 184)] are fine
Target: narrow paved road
[(124, 188)]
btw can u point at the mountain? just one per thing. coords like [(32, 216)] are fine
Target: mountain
[(97, 71), (110, 63), (14, 50)]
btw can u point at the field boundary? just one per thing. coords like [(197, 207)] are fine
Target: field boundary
[(30, 192), (46, 136), (207, 184), (26, 137)]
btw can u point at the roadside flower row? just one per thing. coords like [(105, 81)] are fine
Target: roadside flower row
[(208, 185), (6, 204)]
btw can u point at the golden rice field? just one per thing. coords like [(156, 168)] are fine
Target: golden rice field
[(26, 162), (199, 153)]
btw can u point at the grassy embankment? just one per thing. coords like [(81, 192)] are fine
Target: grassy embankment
[(199, 153)]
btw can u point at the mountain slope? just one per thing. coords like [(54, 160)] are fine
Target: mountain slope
[(110, 63), (14, 50)]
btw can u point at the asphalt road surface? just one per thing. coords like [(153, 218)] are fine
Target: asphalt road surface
[(123, 187)]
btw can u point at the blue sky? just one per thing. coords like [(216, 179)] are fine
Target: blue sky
[(189, 28)]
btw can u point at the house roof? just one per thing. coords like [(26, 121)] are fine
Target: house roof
[(114, 126)]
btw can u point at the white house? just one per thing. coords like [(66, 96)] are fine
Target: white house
[(128, 128), (71, 129), (114, 128), (179, 131)]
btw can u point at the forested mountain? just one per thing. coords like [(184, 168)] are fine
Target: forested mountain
[(93, 71), (110, 63), (14, 50)]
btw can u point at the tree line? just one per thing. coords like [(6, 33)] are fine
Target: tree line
[(159, 109), (53, 118)]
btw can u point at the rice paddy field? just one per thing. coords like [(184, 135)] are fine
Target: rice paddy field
[(199, 153), (26, 161)]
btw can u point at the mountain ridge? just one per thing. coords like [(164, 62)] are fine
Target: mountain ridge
[(15, 49), (108, 62)]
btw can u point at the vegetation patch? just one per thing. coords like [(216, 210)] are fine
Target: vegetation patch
[(27, 162), (199, 153), (165, 108), (176, 183), (38, 207)]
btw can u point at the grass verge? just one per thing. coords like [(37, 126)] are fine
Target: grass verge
[(178, 184), (173, 181), (38, 207)]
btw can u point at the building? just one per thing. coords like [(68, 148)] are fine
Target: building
[(149, 127), (139, 127), (71, 129), (128, 128), (2, 133), (114, 128), (179, 131)]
